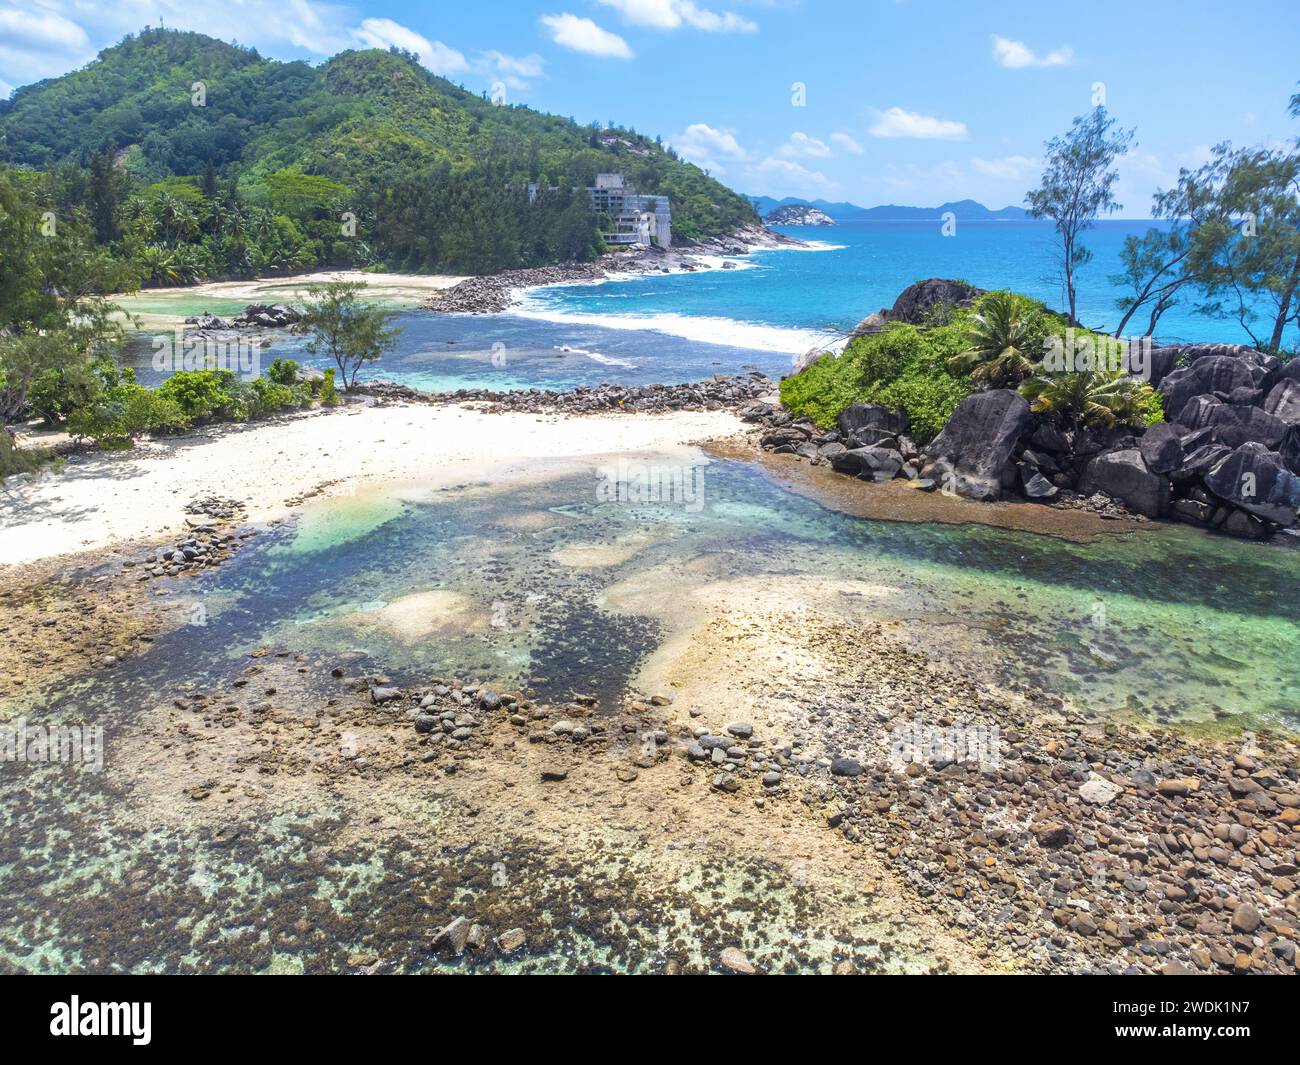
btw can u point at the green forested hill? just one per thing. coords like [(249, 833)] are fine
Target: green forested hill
[(266, 173)]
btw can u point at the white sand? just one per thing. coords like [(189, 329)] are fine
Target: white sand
[(399, 287), (106, 498)]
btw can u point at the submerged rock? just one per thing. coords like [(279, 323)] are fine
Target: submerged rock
[(734, 959), (453, 937)]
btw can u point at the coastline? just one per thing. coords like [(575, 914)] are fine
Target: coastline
[(104, 498), (757, 732), (497, 293)]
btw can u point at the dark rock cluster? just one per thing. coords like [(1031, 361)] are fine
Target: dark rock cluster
[(720, 392), (254, 316), (210, 540), (1227, 458)]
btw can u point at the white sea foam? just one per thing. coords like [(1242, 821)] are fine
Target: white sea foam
[(808, 245), (757, 336), (706, 330), (596, 356)]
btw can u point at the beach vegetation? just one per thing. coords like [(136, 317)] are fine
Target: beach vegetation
[(1077, 186), (347, 328), (1093, 399), (1006, 336), (998, 341)]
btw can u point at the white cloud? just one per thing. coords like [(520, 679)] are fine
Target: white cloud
[(897, 122), (706, 147), (846, 142), (1016, 54), (510, 69), (39, 45), (802, 145), (673, 14), (67, 33), (47, 42), (527, 66), (925, 185), (583, 35), (1009, 168), (24, 29), (792, 179), (385, 33)]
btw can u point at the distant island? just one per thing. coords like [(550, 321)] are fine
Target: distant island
[(793, 214), (967, 210)]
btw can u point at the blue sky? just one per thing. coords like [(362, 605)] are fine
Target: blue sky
[(902, 101)]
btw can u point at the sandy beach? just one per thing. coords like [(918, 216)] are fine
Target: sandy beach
[(104, 498)]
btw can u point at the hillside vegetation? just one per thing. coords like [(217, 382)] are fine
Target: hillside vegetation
[(192, 158)]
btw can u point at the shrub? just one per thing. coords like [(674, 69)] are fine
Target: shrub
[(283, 372), (929, 400), (1092, 398), (329, 395), (201, 393), (14, 459), (1006, 335), (821, 391), (127, 412), (901, 366), (259, 398), (1150, 405)]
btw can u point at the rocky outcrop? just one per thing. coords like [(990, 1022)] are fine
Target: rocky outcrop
[(254, 316), (1125, 476), (970, 454), (1219, 375), (1283, 401), (869, 463), (794, 214), (1233, 414), (269, 316), (720, 392), (861, 420), (1232, 424), (1162, 448), (916, 302), (1256, 480)]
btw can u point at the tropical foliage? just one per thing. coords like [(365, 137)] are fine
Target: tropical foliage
[(1006, 341), (346, 328), (998, 342), (191, 158), (1096, 399), (901, 366)]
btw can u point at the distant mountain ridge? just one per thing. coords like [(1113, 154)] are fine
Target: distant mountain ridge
[(965, 210)]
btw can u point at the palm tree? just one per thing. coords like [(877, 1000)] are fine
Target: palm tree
[(159, 263), (1089, 399), (1004, 337)]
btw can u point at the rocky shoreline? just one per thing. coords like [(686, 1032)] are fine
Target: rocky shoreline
[(1062, 844), (1226, 457), (496, 293), (721, 392)]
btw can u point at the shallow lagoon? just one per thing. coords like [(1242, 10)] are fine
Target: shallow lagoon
[(509, 584)]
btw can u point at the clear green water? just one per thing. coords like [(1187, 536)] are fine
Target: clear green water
[(1168, 624)]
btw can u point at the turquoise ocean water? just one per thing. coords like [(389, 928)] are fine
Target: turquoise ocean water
[(762, 314)]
